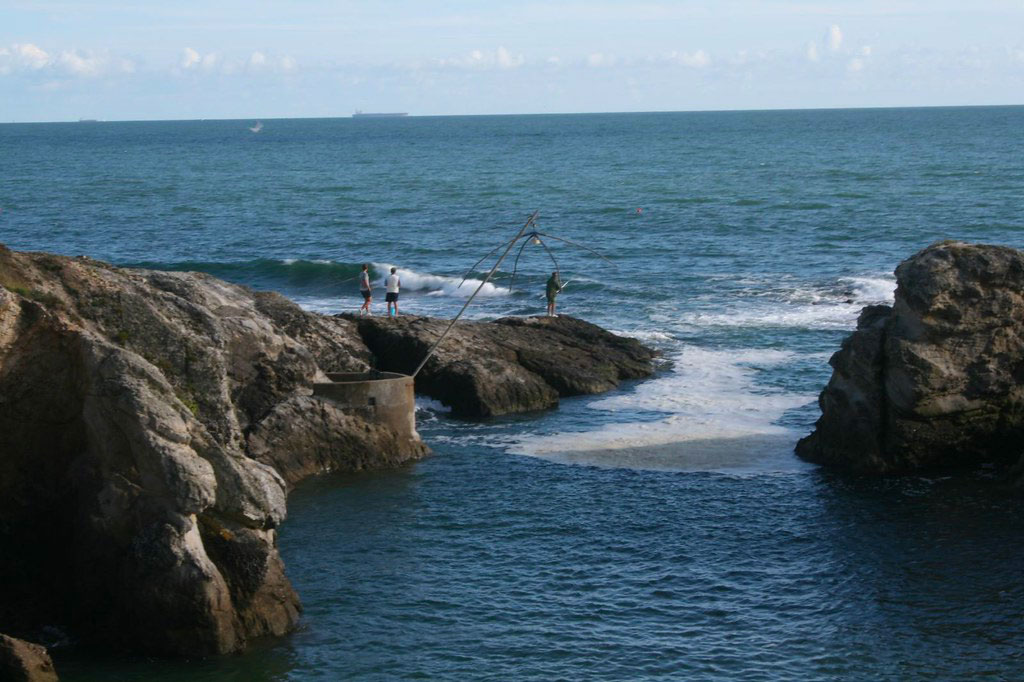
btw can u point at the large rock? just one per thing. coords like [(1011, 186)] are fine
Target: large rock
[(484, 369), (22, 661), (936, 381), (150, 424)]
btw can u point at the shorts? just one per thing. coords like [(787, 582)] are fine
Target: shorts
[(366, 294), (551, 298), (391, 297)]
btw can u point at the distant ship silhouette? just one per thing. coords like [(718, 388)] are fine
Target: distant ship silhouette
[(360, 114)]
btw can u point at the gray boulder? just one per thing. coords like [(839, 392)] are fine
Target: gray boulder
[(937, 380)]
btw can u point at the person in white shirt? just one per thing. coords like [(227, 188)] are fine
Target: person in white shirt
[(392, 283), (365, 289)]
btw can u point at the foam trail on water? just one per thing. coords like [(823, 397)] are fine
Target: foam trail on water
[(439, 285), (714, 417)]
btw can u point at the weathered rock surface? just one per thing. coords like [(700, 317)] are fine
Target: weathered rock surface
[(22, 661), (150, 423), (936, 381), (484, 369)]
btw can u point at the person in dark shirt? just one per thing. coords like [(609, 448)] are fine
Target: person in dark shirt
[(551, 292), (365, 289)]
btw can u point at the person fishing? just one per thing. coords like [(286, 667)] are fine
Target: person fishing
[(551, 292), (365, 289), (392, 284)]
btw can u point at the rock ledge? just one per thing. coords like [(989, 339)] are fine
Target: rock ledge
[(486, 369)]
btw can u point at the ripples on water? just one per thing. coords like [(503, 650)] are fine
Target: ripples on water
[(477, 565), (664, 531)]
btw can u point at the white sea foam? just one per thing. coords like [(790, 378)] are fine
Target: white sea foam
[(440, 285), (645, 335), (318, 261), (324, 305), (718, 418), (869, 290), (424, 404), (835, 307)]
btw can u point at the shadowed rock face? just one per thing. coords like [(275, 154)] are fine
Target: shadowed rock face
[(484, 369), (937, 380), (150, 423), (22, 661)]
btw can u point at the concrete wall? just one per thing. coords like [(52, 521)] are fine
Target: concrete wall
[(383, 397)]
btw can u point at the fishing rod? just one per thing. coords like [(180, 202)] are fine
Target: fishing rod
[(559, 288)]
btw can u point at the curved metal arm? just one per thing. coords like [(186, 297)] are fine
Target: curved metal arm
[(579, 245), (489, 254), (515, 266), (552, 255), (469, 300)]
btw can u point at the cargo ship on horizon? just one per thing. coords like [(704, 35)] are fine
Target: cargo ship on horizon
[(361, 114)]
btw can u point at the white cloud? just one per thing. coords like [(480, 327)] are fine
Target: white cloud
[(865, 51), (189, 58), (500, 58), (834, 40), (29, 58), (258, 62), (697, 60), (855, 65), (192, 60), (23, 57), (599, 59), (812, 52), (79, 64), (506, 60)]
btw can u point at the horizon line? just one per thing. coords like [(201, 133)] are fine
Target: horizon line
[(559, 113)]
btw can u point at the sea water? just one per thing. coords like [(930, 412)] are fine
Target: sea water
[(661, 531)]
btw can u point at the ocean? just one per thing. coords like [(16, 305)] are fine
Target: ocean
[(665, 530)]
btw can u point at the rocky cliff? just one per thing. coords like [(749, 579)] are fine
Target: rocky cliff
[(485, 369), (150, 424), (937, 380)]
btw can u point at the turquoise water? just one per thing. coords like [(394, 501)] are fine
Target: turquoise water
[(663, 531)]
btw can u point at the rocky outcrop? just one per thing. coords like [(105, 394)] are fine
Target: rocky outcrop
[(937, 380), (150, 424), (22, 661), (484, 369)]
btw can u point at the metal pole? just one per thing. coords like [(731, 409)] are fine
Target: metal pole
[(470, 299)]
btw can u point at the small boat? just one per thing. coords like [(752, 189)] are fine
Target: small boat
[(256, 128)]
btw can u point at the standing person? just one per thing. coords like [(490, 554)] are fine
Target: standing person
[(392, 284), (365, 289), (553, 287)]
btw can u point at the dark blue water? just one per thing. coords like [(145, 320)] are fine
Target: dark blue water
[(664, 531)]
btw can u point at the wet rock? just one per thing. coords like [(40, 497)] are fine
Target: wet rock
[(936, 381), (484, 369)]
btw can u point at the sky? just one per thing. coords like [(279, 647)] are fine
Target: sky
[(186, 59)]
